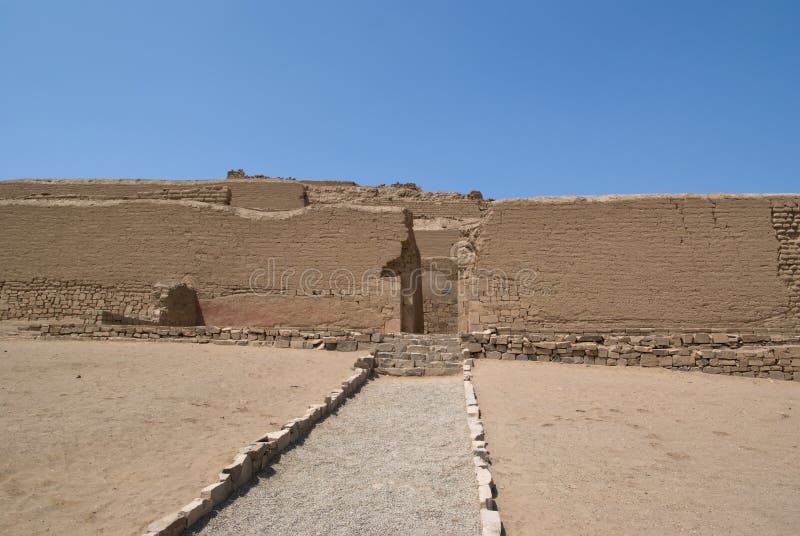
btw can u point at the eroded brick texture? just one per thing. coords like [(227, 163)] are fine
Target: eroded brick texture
[(423, 205), (786, 220), (260, 194), (313, 267), (644, 261)]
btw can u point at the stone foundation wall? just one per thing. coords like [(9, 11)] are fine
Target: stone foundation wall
[(756, 355), (323, 339), (45, 298)]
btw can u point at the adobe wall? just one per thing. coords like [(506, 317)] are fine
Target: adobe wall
[(259, 194), (438, 221), (660, 262), (67, 258), (423, 205)]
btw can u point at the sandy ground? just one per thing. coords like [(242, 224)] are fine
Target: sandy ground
[(395, 460), (104, 437), (602, 450)]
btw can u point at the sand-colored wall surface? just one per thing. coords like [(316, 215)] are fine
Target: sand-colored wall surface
[(436, 243), (424, 205), (259, 257), (259, 194), (635, 261), (103, 438), (596, 450)]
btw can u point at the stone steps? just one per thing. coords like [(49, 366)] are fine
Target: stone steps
[(407, 354)]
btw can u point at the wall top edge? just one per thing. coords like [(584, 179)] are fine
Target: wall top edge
[(239, 211)]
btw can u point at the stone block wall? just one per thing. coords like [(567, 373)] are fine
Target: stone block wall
[(40, 298), (786, 221), (753, 354), (664, 262), (312, 267)]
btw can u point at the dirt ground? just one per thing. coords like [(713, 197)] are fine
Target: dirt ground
[(104, 437), (604, 450)]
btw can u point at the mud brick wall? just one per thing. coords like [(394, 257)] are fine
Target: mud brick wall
[(440, 295), (436, 242), (619, 261), (259, 194), (423, 205), (247, 266), (204, 194)]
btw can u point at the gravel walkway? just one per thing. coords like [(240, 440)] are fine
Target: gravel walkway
[(394, 460)]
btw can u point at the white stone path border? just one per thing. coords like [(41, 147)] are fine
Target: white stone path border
[(258, 455), (491, 525)]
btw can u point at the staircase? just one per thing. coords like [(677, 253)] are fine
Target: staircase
[(412, 354)]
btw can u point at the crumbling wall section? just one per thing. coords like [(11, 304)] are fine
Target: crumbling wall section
[(423, 205)]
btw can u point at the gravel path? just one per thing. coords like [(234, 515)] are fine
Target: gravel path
[(394, 460)]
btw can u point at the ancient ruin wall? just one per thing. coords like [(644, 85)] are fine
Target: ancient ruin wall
[(259, 194), (69, 257), (663, 262), (423, 205)]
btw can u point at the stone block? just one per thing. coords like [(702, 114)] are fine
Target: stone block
[(701, 338), (217, 492), (683, 360), (484, 476), (347, 346), (241, 470), (485, 497), (256, 451), (281, 438), (648, 360), (719, 338), (171, 525), (440, 371), (490, 523), (365, 362), (195, 510), (473, 347)]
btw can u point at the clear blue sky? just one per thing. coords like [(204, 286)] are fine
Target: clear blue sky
[(511, 98)]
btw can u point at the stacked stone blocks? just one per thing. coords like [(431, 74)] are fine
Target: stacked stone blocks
[(757, 355)]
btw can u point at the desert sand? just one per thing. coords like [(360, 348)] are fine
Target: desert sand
[(601, 450), (104, 437)]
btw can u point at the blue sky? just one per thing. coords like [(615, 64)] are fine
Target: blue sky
[(510, 98)]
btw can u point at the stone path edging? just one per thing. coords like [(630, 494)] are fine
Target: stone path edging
[(258, 455), (491, 525)]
